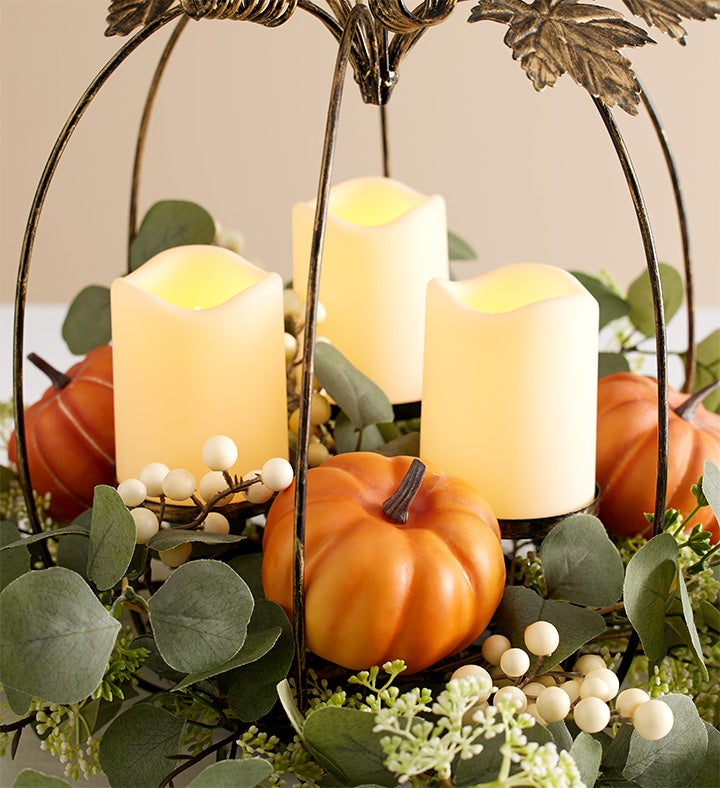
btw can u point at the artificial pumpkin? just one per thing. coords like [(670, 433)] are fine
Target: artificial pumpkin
[(70, 434), (627, 453), (377, 589)]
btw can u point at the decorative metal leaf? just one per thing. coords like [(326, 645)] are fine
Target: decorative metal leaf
[(665, 15), (553, 37), (125, 15)]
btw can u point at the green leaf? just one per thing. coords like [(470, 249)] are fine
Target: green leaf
[(406, 445), (710, 767), (72, 550), (674, 760), (200, 615), (639, 296), (57, 637), (29, 778), (54, 534), (348, 438), (169, 538), (154, 661), (707, 368), (689, 618), (612, 305), (711, 486), (587, 753), (112, 538), (581, 564), (233, 774), (252, 689), (18, 701), (343, 741), (459, 249), (610, 363), (13, 563), (287, 699), (254, 647), (648, 579), (521, 607), (137, 747), (87, 322), (356, 395), (249, 567), (167, 224)]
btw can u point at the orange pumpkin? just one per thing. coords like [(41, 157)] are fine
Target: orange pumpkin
[(377, 589), (70, 435), (627, 453)]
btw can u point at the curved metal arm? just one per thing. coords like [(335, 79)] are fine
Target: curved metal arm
[(358, 18), (27, 247), (684, 237), (658, 308)]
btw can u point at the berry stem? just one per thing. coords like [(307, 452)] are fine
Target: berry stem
[(58, 379), (396, 507)]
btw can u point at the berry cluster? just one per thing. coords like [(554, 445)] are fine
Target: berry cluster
[(586, 691), (216, 489)]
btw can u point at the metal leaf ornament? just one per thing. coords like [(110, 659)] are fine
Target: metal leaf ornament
[(553, 37), (665, 15), (125, 15)]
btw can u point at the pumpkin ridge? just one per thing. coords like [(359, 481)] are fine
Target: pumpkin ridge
[(92, 443), (629, 455), (39, 460)]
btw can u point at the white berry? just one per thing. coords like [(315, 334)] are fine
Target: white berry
[(542, 638), (292, 305), (609, 677), (494, 647), (533, 689), (594, 687), (515, 694), (572, 689), (588, 662), (291, 346), (515, 662), (257, 492), (152, 476), (132, 491), (653, 720), (477, 672), (179, 484), (219, 453), (176, 556), (277, 474), (553, 704), (591, 715), (629, 699), (146, 524), (317, 454), (216, 523), (212, 483)]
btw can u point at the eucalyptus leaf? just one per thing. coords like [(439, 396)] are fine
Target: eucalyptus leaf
[(707, 368), (587, 753), (610, 363), (18, 701), (87, 322), (287, 700), (13, 563), (356, 395), (648, 579), (56, 533), (689, 619), (710, 767), (57, 636), (560, 735), (72, 550), (581, 564), (112, 538), (167, 224), (521, 607), (30, 778), (710, 615), (168, 538), (711, 486), (155, 662), (639, 296), (348, 438), (233, 774), (199, 616), (459, 249), (252, 689), (136, 749), (255, 646), (407, 445), (674, 760), (612, 305), (249, 567), (616, 754), (343, 741)]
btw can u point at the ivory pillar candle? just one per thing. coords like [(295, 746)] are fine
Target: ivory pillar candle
[(510, 388), (383, 243), (197, 351)]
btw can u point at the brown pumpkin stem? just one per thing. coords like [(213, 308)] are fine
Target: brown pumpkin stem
[(57, 378), (688, 408), (396, 507)]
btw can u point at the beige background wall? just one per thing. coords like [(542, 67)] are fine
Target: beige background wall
[(239, 123)]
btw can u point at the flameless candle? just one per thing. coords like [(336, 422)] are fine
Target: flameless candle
[(510, 388), (198, 350), (383, 243)]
